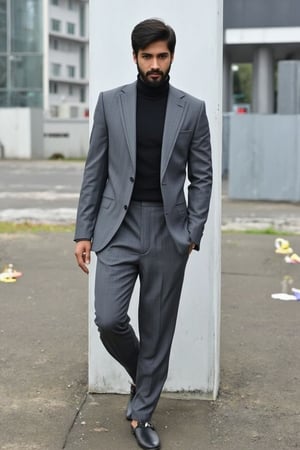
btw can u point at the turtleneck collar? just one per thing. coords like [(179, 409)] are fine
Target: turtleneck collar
[(153, 91)]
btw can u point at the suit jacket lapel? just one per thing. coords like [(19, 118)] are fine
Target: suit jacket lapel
[(174, 117), (128, 114)]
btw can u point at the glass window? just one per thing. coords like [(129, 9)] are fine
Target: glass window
[(26, 71), (70, 4), (54, 2), (82, 62), (73, 112), (70, 89), (3, 29), (71, 71), (82, 95), (56, 69), (82, 20), (54, 45), (53, 87), (26, 25), (55, 25), (3, 71), (26, 98), (3, 99), (33, 98), (70, 28), (54, 110)]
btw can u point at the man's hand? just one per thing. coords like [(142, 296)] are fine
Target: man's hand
[(83, 254)]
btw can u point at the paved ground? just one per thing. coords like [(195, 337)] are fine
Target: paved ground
[(39, 190), (47, 191), (43, 374), (43, 351)]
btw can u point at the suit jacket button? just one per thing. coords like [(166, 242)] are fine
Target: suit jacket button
[(131, 179), (125, 207)]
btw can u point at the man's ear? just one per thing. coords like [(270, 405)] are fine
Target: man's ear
[(134, 56)]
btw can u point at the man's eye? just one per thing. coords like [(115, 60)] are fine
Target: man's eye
[(146, 56)]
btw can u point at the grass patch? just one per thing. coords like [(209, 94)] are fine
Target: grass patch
[(269, 231), (27, 227)]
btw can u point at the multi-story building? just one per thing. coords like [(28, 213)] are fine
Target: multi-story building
[(44, 56), (261, 34), (66, 58)]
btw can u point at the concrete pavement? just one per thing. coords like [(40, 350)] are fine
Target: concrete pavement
[(43, 359), (47, 191)]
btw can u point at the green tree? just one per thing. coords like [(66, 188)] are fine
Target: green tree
[(242, 83)]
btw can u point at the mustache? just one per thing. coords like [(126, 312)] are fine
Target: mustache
[(154, 72)]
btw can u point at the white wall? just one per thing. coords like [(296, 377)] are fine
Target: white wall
[(68, 137), (197, 69), (264, 157), (21, 132)]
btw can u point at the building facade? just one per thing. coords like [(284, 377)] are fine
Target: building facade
[(21, 53), (260, 33), (44, 56), (66, 95)]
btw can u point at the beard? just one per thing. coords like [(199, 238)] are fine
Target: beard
[(146, 76)]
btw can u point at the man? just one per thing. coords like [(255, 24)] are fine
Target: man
[(132, 212)]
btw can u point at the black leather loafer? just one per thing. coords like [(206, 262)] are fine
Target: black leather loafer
[(146, 436), (129, 406)]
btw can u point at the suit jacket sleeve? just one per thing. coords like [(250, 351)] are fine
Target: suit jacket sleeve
[(95, 176), (200, 177)]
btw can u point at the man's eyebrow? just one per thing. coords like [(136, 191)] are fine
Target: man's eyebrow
[(159, 54)]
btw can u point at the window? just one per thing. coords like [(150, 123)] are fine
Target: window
[(70, 28), (54, 2), (3, 98), (82, 95), (3, 71), (73, 112), (82, 62), (53, 87), (3, 26), (70, 89), (55, 25), (54, 111), (82, 20), (54, 44), (71, 71), (26, 71), (70, 4), (26, 25), (56, 69)]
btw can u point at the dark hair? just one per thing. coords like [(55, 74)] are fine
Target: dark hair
[(152, 30)]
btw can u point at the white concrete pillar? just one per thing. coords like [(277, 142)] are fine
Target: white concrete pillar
[(227, 83), (197, 68), (263, 81)]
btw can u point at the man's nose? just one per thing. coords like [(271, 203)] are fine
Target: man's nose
[(155, 64)]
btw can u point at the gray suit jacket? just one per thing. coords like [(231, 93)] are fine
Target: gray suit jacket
[(111, 163)]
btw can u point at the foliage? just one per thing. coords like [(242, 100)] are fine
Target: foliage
[(242, 83), (27, 227)]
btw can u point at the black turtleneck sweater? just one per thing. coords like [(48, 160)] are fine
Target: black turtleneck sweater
[(150, 120)]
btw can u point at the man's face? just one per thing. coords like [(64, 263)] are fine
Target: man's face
[(154, 62)]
